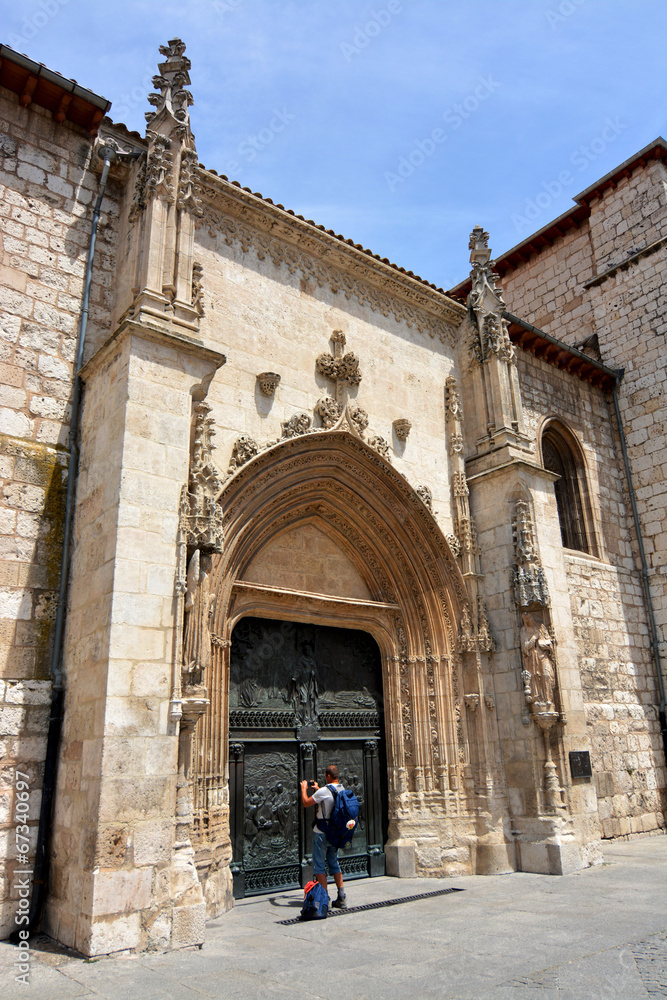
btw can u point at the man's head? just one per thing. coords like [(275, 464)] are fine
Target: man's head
[(331, 773)]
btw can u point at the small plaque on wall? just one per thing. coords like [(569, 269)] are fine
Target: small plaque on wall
[(580, 764)]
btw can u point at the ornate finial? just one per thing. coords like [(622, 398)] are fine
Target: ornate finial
[(341, 369), (172, 98), (479, 245), (490, 335)]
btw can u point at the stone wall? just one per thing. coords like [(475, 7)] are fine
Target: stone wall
[(47, 189), (272, 317), (620, 696), (553, 290), (607, 612)]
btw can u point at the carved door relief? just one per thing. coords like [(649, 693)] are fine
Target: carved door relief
[(301, 696)]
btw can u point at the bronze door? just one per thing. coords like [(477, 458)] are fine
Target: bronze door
[(301, 696)]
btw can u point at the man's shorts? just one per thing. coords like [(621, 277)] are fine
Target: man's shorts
[(321, 849)]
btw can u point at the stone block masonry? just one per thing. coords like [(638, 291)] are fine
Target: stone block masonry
[(47, 187), (625, 311)]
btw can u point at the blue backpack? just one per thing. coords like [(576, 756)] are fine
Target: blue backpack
[(339, 828), (316, 902)]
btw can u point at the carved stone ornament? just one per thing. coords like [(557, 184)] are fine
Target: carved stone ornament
[(528, 579), (298, 424), (199, 607), (200, 514), (529, 584), (524, 534), (197, 288), (381, 447), (328, 410), (471, 701), (159, 165), (475, 636), (244, 449), (402, 426), (486, 304), (455, 443), (359, 418), (454, 545), (172, 97), (489, 701), (453, 399), (425, 495), (539, 665), (340, 368), (268, 382), (188, 184)]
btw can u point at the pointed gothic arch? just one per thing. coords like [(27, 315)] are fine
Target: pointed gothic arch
[(335, 482), (563, 455)]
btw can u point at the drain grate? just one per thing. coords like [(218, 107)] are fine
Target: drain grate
[(377, 906)]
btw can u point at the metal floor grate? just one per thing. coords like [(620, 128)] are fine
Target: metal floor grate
[(376, 906)]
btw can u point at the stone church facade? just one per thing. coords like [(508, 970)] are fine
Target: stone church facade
[(320, 509)]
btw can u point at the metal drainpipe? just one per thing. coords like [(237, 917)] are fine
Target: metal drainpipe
[(41, 869), (648, 601)]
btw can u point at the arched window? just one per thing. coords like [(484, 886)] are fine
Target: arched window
[(560, 454)]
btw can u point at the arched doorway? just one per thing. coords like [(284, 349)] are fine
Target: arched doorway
[(301, 696), (320, 529)]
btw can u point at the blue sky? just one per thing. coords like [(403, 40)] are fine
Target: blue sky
[(399, 123)]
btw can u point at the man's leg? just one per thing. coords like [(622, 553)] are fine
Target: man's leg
[(334, 867), (318, 859)]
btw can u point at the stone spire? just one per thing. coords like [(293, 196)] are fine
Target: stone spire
[(492, 355), (167, 202), (173, 100)]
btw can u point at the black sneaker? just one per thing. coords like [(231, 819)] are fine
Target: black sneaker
[(340, 903)]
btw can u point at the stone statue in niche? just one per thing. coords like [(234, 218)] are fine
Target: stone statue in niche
[(199, 604), (539, 662)]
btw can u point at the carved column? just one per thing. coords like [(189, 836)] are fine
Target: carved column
[(538, 643), (474, 635)]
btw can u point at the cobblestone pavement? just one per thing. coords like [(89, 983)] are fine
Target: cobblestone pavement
[(600, 934)]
